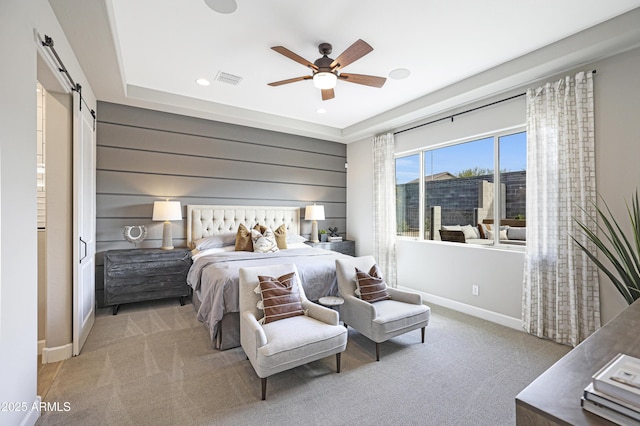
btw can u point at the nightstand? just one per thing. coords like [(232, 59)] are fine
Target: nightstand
[(344, 246), (137, 275)]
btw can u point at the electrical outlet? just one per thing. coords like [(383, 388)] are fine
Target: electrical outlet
[(474, 290)]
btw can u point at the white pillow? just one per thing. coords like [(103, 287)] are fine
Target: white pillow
[(216, 241), (451, 227), (502, 235), (470, 232), (292, 238), (517, 233), (264, 243)]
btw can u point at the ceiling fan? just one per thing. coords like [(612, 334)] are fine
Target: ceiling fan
[(326, 70)]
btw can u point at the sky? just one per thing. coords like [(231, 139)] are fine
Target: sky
[(469, 155)]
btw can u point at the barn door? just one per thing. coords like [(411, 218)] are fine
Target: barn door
[(84, 222)]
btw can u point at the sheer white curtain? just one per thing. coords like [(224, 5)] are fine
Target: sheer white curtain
[(561, 298), (384, 206)]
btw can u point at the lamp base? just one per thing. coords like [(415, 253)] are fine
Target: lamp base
[(167, 243), (314, 232)]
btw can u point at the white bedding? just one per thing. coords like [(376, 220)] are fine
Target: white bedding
[(214, 277)]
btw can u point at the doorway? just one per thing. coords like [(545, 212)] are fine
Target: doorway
[(55, 217)]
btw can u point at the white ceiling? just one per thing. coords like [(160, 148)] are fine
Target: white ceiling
[(150, 52)]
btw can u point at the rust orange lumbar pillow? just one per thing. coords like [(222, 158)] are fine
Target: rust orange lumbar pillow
[(371, 285), (280, 297)]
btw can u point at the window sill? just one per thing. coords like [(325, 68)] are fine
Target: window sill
[(503, 247)]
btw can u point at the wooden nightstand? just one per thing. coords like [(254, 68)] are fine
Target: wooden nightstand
[(137, 275), (344, 246)]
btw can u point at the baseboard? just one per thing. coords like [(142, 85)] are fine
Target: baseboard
[(56, 354), (41, 344), (33, 415), (507, 321)]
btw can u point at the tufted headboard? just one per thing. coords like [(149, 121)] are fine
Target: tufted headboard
[(206, 220)]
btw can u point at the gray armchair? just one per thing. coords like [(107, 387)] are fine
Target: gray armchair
[(285, 343), (382, 320)]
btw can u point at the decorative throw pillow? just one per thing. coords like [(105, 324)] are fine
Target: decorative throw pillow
[(280, 297), (280, 233), (517, 233), (481, 231), (281, 236), (470, 232), (502, 234), (243, 239), (264, 243), (371, 285), (484, 230)]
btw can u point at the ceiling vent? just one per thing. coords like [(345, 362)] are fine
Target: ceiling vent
[(228, 78)]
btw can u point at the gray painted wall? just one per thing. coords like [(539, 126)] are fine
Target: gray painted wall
[(145, 155)]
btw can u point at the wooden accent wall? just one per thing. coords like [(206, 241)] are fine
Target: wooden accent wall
[(145, 155)]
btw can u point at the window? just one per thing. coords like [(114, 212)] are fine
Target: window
[(408, 195), (465, 189)]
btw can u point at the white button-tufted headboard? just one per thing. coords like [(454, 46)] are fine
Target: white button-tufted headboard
[(203, 220)]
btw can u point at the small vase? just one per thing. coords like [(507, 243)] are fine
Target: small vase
[(323, 238)]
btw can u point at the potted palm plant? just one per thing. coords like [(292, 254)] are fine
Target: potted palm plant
[(621, 251)]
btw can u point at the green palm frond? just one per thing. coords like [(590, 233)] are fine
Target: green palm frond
[(621, 251)]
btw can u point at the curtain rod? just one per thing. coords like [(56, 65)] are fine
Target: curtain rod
[(452, 116), (48, 42)]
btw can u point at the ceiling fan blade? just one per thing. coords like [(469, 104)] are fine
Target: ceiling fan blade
[(328, 94), (354, 52), (367, 80), (299, 59), (290, 80)]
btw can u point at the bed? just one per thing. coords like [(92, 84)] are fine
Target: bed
[(213, 276)]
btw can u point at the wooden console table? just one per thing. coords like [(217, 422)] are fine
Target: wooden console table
[(554, 397)]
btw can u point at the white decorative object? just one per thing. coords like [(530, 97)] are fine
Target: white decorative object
[(314, 213), (561, 298), (167, 211), (135, 233), (384, 206)]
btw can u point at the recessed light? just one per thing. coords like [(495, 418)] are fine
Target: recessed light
[(222, 6), (203, 82), (399, 73), (321, 111)]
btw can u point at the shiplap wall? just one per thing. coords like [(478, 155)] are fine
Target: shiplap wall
[(145, 155)]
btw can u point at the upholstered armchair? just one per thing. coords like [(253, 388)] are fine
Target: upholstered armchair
[(381, 320), (286, 343)]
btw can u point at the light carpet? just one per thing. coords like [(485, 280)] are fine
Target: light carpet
[(152, 364)]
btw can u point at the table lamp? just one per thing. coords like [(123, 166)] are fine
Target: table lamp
[(167, 211), (314, 213)]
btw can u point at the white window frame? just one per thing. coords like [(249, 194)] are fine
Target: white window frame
[(496, 135)]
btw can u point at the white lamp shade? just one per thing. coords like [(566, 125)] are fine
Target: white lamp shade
[(314, 212), (167, 210), (325, 80)]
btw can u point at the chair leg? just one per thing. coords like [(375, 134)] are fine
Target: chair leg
[(377, 351), (264, 388), (338, 356), (422, 331)]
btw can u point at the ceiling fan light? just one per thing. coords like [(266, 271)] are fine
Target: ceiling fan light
[(325, 80)]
